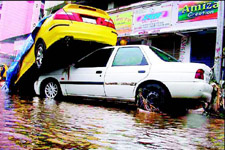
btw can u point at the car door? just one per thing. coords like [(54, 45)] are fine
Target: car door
[(87, 76), (127, 69)]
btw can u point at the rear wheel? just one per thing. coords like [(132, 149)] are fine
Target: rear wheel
[(152, 97), (51, 89), (39, 54)]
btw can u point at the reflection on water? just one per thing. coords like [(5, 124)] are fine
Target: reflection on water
[(33, 123)]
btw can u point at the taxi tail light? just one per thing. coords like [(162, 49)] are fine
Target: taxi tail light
[(77, 17), (62, 15), (111, 24), (105, 22), (199, 74)]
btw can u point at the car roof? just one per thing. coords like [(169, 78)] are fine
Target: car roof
[(130, 45), (118, 46)]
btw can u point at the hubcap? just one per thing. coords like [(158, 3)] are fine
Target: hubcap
[(152, 97), (39, 56), (51, 90)]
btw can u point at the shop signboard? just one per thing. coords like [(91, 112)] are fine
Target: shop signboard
[(123, 22), (152, 19), (197, 10)]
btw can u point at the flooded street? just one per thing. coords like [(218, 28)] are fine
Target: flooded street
[(34, 123)]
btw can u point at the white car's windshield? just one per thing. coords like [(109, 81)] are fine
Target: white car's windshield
[(163, 55)]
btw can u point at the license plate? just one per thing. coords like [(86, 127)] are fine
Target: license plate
[(89, 20)]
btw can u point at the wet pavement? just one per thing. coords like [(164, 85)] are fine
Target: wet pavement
[(75, 123)]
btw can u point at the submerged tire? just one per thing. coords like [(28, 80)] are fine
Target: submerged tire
[(152, 97), (51, 89)]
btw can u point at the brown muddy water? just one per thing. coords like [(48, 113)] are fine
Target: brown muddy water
[(73, 123)]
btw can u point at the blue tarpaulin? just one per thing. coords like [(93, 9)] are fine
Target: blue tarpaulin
[(15, 66)]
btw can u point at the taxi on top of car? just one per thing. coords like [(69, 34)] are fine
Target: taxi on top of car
[(72, 22)]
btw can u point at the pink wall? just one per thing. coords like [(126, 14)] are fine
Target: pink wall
[(16, 18), (7, 48)]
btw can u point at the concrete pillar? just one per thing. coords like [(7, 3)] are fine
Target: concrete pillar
[(219, 41)]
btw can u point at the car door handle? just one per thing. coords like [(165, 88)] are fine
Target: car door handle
[(141, 71), (98, 72)]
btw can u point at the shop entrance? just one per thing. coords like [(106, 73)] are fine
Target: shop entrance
[(169, 44), (203, 48)]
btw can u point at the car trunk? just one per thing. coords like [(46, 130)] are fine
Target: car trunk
[(84, 10), (190, 68)]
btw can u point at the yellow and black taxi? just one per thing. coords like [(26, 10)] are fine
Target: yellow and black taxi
[(73, 24)]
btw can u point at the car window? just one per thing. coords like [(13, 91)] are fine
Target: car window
[(163, 55), (129, 56), (98, 58)]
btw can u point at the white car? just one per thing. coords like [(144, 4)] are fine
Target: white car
[(139, 73)]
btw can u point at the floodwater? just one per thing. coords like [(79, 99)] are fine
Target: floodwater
[(72, 123)]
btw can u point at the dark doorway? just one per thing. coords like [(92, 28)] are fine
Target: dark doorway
[(203, 48), (169, 44)]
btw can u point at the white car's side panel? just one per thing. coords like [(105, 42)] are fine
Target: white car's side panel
[(120, 81), (193, 90), (37, 87), (85, 81)]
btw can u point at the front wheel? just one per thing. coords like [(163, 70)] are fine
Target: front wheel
[(51, 89), (152, 97)]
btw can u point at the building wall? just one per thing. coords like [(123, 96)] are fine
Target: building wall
[(0, 9), (6, 59), (6, 56), (18, 18), (7, 48), (0, 19)]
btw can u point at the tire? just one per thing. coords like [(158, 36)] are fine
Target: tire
[(152, 97), (51, 89), (39, 54)]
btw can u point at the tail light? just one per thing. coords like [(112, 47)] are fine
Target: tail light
[(105, 22), (62, 15), (199, 74)]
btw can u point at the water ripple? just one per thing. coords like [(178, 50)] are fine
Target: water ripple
[(34, 123)]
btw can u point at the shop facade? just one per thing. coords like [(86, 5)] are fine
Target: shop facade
[(184, 29)]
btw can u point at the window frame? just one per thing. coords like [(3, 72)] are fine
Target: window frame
[(169, 57), (143, 56), (91, 55)]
